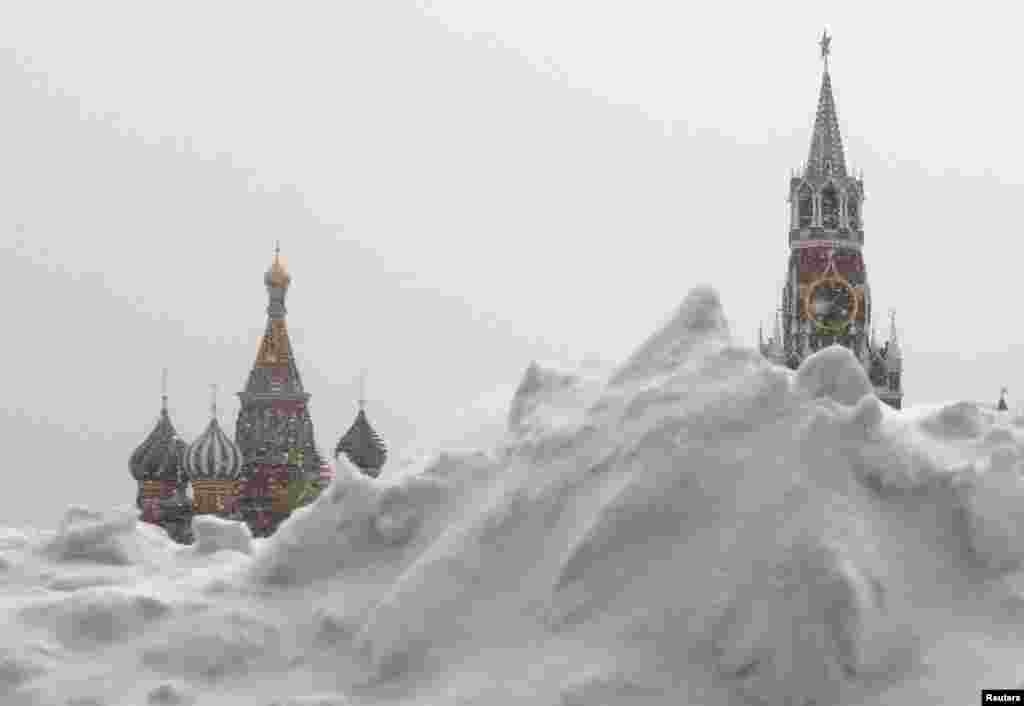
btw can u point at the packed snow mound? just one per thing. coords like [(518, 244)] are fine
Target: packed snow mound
[(106, 538), (213, 534), (358, 524), (168, 694), (208, 646), (836, 373), (101, 614), (962, 420), (697, 527), (699, 321)]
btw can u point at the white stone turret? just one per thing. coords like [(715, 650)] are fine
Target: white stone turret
[(894, 358)]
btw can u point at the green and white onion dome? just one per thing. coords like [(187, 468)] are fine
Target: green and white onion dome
[(213, 455)]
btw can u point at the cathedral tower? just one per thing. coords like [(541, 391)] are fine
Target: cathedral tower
[(274, 430), (826, 299)]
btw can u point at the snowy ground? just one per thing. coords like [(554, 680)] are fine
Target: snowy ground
[(698, 527)]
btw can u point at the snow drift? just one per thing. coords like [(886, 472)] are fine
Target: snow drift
[(696, 527)]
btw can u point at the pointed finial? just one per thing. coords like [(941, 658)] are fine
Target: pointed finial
[(362, 389), (892, 324), (213, 401), (826, 47), (163, 390), (760, 334), (277, 250)]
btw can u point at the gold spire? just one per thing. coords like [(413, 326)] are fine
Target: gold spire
[(163, 390), (362, 389), (277, 275), (213, 401)]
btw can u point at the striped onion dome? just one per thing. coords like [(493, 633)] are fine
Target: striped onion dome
[(213, 455), (362, 446), (159, 456)]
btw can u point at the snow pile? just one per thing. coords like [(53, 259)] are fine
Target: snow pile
[(213, 534), (86, 535), (96, 614), (695, 527)]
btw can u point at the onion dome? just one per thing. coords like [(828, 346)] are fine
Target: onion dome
[(362, 446), (213, 455), (159, 457), (277, 275)]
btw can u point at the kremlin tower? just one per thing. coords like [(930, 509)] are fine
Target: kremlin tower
[(826, 299), (163, 487), (281, 466)]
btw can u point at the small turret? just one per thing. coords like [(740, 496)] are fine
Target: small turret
[(361, 444), (1002, 407), (776, 349), (157, 466), (894, 356)]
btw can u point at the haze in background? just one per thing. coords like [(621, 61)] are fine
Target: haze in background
[(459, 188)]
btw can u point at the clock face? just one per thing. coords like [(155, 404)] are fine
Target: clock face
[(832, 306)]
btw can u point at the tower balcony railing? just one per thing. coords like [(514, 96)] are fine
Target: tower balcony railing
[(797, 235)]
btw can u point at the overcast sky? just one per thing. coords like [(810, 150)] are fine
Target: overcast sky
[(461, 186)]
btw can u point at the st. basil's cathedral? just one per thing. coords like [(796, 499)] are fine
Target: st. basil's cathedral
[(826, 299), (272, 465)]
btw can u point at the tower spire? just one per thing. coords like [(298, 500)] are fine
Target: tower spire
[(362, 389), (826, 47), (213, 401), (826, 157), (163, 390)]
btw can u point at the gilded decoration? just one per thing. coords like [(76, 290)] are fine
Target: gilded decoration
[(275, 349), (214, 496), (830, 301)]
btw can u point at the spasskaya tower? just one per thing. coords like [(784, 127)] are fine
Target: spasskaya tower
[(826, 299)]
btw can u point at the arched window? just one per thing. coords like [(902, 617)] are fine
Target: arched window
[(853, 213), (829, 208), (805, 205)]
